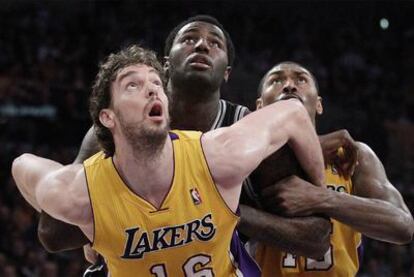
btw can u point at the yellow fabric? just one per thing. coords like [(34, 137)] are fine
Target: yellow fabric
[(341, 260), (193, 227)]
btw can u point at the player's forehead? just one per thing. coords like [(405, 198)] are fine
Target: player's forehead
[(136, 70), (200, 26), (286, 68)]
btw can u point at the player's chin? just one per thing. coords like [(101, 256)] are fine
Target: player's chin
[(201, 74), (159, 126)]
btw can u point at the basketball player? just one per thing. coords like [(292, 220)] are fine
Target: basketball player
[(160, 203), (199, 54), (366, 203)]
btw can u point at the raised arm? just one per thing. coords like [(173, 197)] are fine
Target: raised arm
[(234, 152), (250, 140)]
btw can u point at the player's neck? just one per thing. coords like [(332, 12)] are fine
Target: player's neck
[(189, 111), (149, 178)]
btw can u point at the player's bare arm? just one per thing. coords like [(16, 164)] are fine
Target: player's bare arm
[(50, 230), (255, 137), (311, 237), (303, 236), (377, 209), (59, 190)]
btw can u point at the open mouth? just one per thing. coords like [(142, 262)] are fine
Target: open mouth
[(156, 110)]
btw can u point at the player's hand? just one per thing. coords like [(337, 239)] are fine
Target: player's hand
[(340, 150), (292, 196), (90, 254)]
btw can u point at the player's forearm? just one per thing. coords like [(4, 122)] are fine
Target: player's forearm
[(50, 232), (374, 218), (304, 236), (305, 143)]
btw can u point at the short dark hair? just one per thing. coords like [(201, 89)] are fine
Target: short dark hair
[(101, 90), (261, 84), (203, 18)]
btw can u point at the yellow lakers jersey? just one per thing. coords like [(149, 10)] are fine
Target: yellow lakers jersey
[(189, 235), (341, 259)]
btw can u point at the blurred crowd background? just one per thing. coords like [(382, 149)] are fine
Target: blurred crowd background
[(361, 52)]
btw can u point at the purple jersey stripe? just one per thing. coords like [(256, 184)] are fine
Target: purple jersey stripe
[(242, 259), (360, 251), (173, 136)]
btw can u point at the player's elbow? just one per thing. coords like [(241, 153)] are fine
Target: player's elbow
[(18, 166), (405, 232), (47, 238)]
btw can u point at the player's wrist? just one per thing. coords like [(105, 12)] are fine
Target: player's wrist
[(327, 200)]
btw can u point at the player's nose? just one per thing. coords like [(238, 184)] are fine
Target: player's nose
[(289, 86), (152, 91), (202, 45)]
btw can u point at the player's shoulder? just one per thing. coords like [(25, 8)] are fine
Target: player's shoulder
[(366, 154), (94, 159), (362, 146)]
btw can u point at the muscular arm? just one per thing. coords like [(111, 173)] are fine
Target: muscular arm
[(304, 236), (377, 209), (59, 190), (27, 174), (51, 230), (250, 140)]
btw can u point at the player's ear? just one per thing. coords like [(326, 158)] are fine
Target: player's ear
[(106, 117), (227, 73), (259, 103), (319, 106)]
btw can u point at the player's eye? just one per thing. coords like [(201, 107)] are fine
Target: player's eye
[(215, 44), (158, 83), (276, 81), (302, 80), (131, 86), (189, 40)]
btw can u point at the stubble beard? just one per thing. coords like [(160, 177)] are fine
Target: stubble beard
[(147, 142)]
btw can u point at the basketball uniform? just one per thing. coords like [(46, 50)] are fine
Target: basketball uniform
[(227, 114), (191, 234), (341, 260)]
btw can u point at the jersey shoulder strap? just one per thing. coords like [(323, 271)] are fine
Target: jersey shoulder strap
[(228, 113)]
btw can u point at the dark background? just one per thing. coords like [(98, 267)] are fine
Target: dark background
[(49, 51)]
